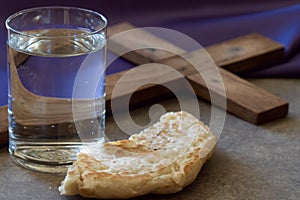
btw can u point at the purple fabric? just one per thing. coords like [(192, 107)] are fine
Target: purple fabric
[(208, 22)]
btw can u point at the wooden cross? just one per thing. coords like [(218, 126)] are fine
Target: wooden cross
[(244, 99)]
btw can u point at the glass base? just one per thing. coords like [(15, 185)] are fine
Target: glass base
[(45, 158)]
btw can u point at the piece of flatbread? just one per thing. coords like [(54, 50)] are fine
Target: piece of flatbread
[(161, 159)]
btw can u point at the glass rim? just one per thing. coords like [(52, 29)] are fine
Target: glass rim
[(24, 11)]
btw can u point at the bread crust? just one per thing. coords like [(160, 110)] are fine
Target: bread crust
[(161, 159)]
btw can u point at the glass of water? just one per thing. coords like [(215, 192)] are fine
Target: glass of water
[(56, 65)]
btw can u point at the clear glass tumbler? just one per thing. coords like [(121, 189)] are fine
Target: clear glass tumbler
[(52, 50)]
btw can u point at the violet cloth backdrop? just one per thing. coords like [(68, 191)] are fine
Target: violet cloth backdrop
[(207, 22)]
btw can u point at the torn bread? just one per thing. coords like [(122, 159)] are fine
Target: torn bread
[(161, 159)]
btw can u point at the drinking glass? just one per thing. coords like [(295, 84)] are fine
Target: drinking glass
[(51, 49)]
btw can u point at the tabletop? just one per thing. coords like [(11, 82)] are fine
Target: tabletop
[(250, 162)]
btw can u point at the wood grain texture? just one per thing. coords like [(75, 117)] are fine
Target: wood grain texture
[(238, 55), (141, 85), (245, 100), (140, 40), (246, 53)]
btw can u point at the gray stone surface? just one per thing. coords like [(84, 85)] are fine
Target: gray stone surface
[(250, 162)]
